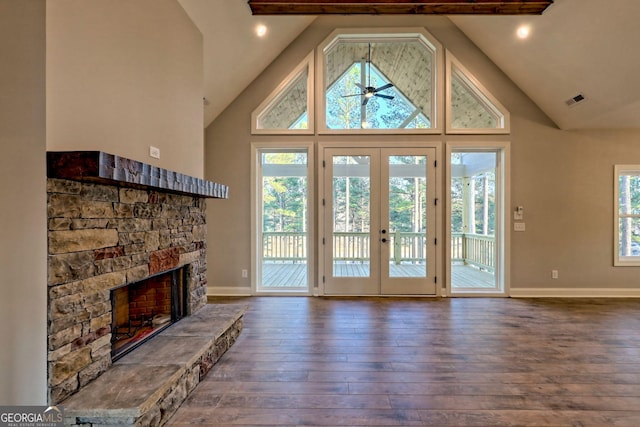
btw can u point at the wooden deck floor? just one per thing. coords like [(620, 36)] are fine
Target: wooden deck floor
[(469, 277), (450, 362), (284, 275), (294, 275)]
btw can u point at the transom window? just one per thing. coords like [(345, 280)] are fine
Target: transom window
[(471, 108), (387, 81), (387, 109), (381, 82), (289, 108)]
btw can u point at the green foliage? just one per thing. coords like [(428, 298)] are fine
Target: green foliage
[(284, 198)]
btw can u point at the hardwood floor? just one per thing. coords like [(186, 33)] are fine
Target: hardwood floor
[(426, 362)]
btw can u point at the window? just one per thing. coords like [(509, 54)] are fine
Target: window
[(382, 83), (470, 107), (627, 215), (289, 109), (355, 111)]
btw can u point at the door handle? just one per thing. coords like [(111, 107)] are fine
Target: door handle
[(383, 240)]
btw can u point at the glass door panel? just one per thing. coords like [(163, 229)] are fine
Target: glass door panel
[(351, 177), (351, 216), (408, 226), (407, 216), (284, 240), (475, 210)]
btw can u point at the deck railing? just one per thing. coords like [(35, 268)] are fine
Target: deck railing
[(284, 246), (351, 246), (408, 247), (290, 246), (474, 249)]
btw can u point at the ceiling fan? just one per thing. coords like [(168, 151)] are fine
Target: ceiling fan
[(369, 91)]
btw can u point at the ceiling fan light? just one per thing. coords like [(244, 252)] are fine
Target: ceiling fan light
[(368, 94)]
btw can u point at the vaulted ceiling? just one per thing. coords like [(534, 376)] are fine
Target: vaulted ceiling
[(575, 47)]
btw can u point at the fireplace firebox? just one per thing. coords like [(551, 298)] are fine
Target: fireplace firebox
[(142, 309)]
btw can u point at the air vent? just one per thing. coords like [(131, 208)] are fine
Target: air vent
[(579, 98)]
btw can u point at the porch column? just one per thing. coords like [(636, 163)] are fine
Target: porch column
[(468, 212)]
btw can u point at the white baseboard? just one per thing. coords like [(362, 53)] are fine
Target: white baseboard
[(242, 291), (236, 291), (574, 293)]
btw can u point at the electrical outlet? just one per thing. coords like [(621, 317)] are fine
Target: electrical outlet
[(519, 226), (154, 152), (245, 274), (554, 274)]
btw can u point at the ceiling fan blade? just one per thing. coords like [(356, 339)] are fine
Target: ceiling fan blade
[(360, 86), (387, 86), (353, 94), (365, 100), (383, 96)]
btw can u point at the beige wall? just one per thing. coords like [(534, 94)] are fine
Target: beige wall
[(23, 232), (563, 179), (565, 182), (123, 75)]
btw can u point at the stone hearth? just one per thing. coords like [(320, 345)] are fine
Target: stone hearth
[(111, 222), (146, 386)]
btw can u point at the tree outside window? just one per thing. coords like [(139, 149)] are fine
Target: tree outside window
[(627, 210)]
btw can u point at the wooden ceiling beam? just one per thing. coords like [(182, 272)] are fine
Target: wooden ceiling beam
[(396, 7)]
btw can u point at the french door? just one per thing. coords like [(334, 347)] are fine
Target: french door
[(379, 221)]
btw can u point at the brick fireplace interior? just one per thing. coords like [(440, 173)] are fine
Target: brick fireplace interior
[(143, 309)]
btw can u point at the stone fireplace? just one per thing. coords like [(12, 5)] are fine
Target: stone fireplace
[(112, 224)]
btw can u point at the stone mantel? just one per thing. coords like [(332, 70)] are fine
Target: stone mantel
[(104, 168)]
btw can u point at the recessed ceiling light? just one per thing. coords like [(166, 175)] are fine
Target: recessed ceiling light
[(261, 30), (523, 31)]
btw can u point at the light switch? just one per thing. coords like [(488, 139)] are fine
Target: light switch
[(518, 214)]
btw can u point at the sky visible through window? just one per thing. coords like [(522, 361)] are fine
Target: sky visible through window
[(346, 112)]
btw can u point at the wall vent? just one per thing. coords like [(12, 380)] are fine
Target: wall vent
[(579, 98)]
